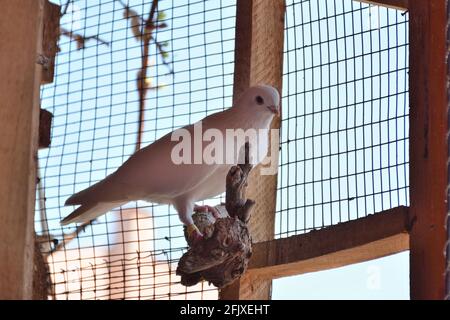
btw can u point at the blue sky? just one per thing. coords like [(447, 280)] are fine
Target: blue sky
[(345, 119), (380, 279)]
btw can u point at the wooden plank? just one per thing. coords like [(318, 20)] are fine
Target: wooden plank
[(447, 249), (21, 33), (428, 147), (394, 4), (367, 238), (258, 60), (52, 13)]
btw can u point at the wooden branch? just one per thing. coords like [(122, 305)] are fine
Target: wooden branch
[(394, 4), (151, 17), (236, 203), (223, 255), (367, 238)]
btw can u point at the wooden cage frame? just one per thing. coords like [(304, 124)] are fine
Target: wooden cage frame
[(419, 228)]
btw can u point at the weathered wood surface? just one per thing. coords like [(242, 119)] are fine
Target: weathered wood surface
[(428, 145), (21, 23), (50, 36)]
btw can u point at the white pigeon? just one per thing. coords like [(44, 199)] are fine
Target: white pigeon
[(150, 174)]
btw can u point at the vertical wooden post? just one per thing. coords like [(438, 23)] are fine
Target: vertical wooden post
[(20, 34), (447, 249), (428, 147), (258, 60)]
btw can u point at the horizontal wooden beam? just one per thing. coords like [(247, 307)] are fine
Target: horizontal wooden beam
[(394, 4), (364, 239)]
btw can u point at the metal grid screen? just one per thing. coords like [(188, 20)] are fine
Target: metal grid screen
[(130, 253), (344, 138)]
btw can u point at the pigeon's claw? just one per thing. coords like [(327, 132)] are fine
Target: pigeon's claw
[(207, 208), (194, 235)]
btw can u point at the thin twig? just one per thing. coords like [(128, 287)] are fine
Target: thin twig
[(123, 4), (98, 39), (146, 37), (150, 21), (162, 52), (66, 7), (127, 7), (81, 40)]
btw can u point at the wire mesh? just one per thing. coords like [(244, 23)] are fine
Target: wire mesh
[(344, 137), (132, 252)]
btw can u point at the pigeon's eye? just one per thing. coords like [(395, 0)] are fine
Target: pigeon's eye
[(259, 100)]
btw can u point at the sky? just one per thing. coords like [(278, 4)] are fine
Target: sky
[(381, 279), (344, 137)]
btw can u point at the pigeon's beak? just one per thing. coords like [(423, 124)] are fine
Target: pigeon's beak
[(274, 109)]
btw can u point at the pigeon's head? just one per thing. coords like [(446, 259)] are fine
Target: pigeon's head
[(262, 98)]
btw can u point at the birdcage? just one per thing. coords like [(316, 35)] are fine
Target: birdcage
[(361, 152)]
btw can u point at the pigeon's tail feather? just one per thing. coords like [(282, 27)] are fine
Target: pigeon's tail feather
[(90, 211), (75, 199), (85, 196)]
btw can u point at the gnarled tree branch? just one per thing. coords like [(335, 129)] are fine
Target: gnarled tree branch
[(222, 257)]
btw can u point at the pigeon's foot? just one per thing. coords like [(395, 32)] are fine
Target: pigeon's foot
[(213, 210), (194, 235)]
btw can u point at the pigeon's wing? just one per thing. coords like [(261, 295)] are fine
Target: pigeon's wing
[(150, 173)]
